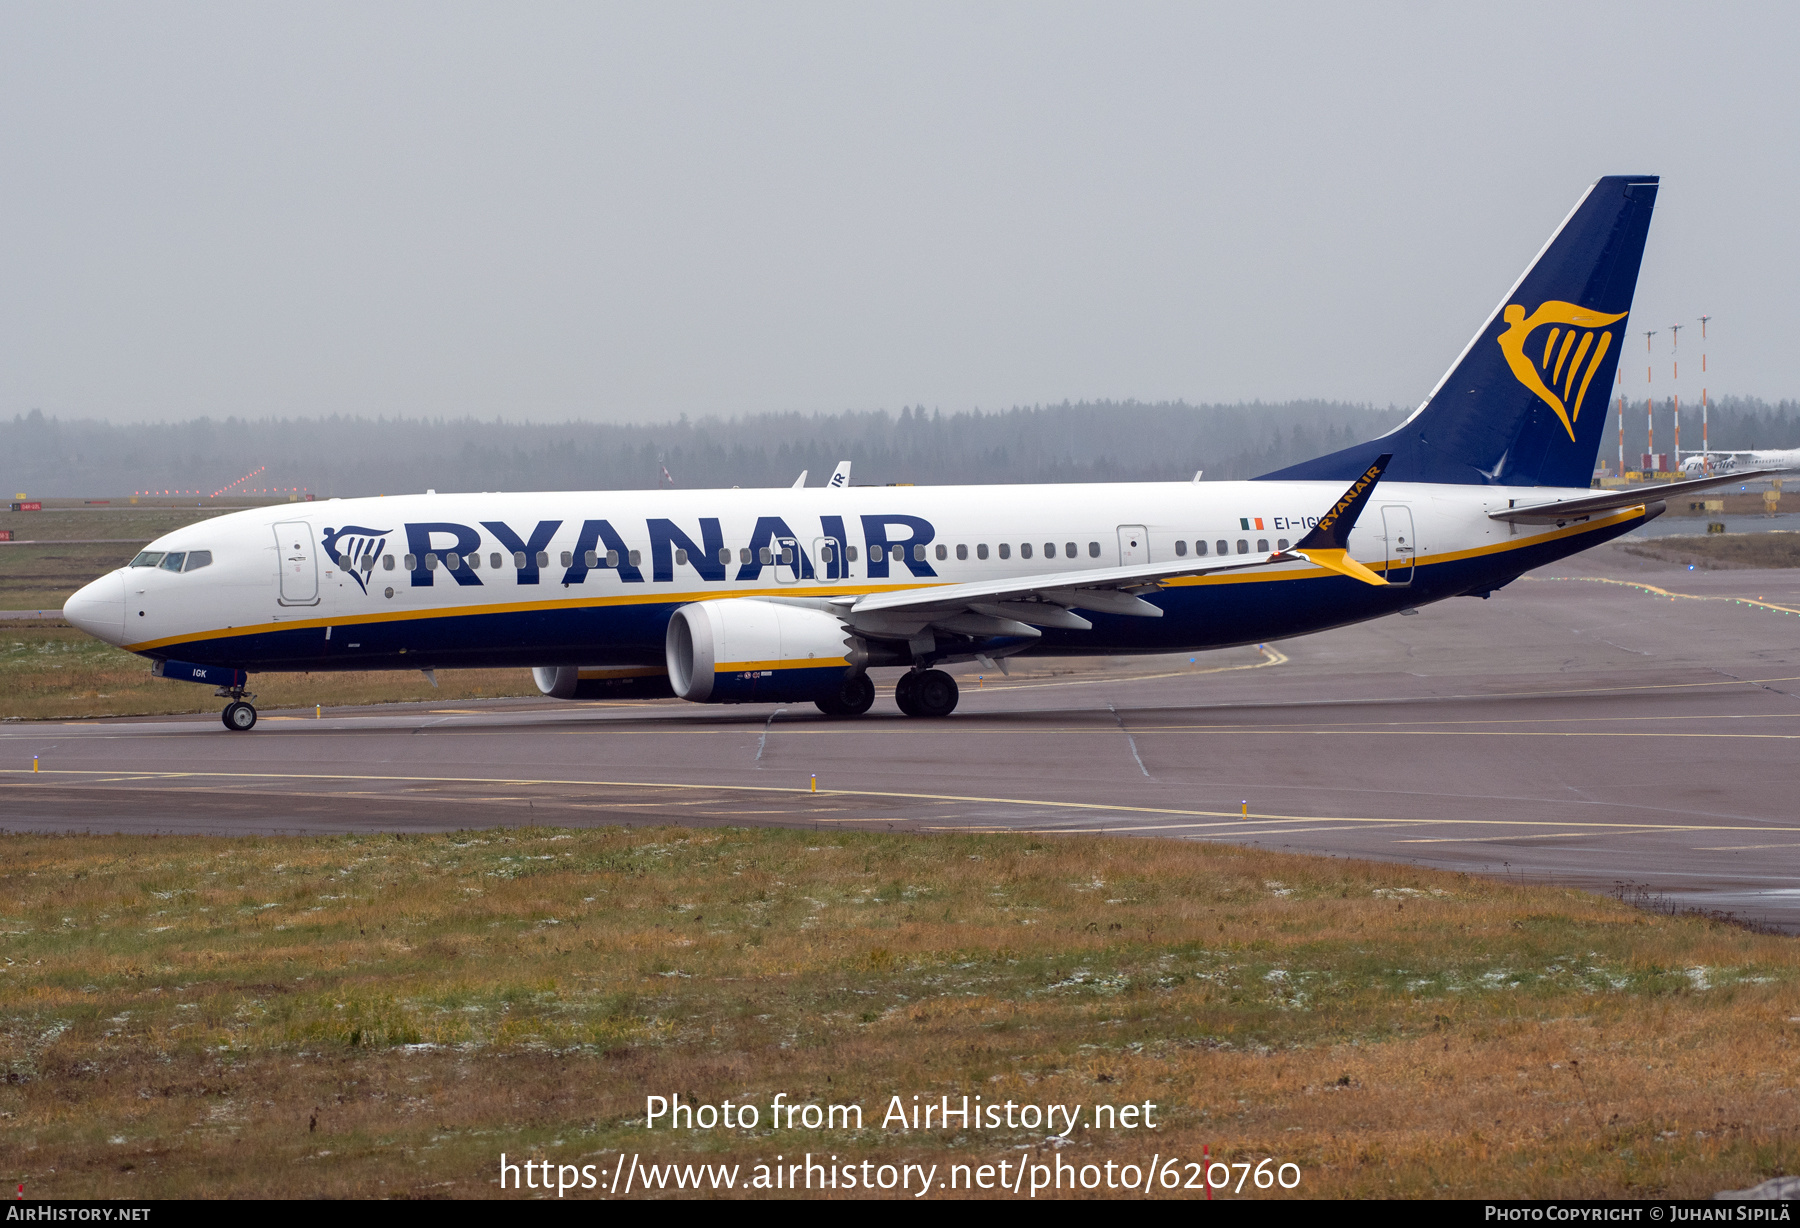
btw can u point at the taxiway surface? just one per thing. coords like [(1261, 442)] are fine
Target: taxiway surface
[(1608, 721)]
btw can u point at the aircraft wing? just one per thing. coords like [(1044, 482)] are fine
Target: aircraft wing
[(1556, 511), (1018, 606)]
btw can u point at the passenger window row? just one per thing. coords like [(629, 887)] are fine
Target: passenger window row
[(1026, 549), (452, 560), (1224, 547), (764, 555), (193, 560)]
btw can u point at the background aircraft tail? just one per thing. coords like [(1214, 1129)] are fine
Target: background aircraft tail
[(1525, 404)]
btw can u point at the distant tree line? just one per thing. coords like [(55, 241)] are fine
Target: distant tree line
[(345, 456), (1071, 442)]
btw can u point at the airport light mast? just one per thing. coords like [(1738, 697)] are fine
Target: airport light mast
[(1705, 444), (1675, 366), (1621, 383), (1649, 409)]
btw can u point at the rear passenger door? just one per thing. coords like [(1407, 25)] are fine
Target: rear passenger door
[(1402, 547)]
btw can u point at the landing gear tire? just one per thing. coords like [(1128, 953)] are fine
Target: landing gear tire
[(905, 690), (854, 698), (238, 716), (930, 693)]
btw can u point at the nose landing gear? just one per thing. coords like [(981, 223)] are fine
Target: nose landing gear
[(239, 715)]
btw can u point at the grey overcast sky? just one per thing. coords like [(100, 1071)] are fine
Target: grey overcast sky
[(633, 211)]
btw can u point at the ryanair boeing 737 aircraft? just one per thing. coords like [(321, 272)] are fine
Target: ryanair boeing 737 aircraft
[(754, 596)]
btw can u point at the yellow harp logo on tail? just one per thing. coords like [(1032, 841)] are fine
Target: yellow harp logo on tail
[(1574, 347)]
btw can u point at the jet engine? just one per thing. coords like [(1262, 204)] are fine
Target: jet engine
[(740, 650)]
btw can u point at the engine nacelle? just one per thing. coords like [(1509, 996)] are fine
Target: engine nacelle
[(601, 681), (739, 650)]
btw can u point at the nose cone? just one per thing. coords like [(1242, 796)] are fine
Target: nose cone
[(99, 609)]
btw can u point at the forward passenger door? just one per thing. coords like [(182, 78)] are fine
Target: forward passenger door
[(299, 563)]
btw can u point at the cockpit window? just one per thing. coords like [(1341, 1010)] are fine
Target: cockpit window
[(173, 560), (197, 559), (148, 558)]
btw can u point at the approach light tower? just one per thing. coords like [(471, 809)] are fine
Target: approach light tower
[(1621, 382), (1649, 410), (1675, 367), (1705, 443)]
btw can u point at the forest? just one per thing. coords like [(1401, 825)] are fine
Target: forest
[(334, 455)]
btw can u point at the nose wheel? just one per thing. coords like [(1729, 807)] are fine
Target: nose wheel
[(929, 692), (238, 716)]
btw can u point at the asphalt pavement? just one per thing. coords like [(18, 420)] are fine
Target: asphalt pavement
[(1611, 723)]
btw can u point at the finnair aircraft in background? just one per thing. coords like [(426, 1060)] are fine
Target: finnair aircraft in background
[(1776, 459), (756, 596)]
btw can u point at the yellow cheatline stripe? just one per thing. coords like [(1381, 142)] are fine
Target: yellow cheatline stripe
[(1672, 596), (658, 597), (669, 598), (1232, 818), (745, 667)]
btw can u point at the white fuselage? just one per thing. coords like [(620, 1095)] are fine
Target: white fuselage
[(585, 577)]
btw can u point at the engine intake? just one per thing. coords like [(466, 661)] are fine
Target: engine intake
[(740, 650)]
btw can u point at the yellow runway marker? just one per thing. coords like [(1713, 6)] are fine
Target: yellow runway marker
[(1295, 831), (1742, 848), (1271, 657), (1663, 592), (1409, 726), (1559, 835), (1228, 819)]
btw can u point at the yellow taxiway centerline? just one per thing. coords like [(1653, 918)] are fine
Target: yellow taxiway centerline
[(1230, 818)]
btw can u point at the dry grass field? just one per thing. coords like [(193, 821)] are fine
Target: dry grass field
[(1722, 551), (366, 1016), (50, 671), (56, 551)]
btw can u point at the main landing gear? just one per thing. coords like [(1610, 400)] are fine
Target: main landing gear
[(239, 716), (929, 692), (854, 698)]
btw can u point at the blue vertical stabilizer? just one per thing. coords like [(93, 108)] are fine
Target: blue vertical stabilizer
[(1526, 403)]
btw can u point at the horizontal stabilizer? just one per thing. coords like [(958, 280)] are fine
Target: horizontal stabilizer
[(1558, 510)]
